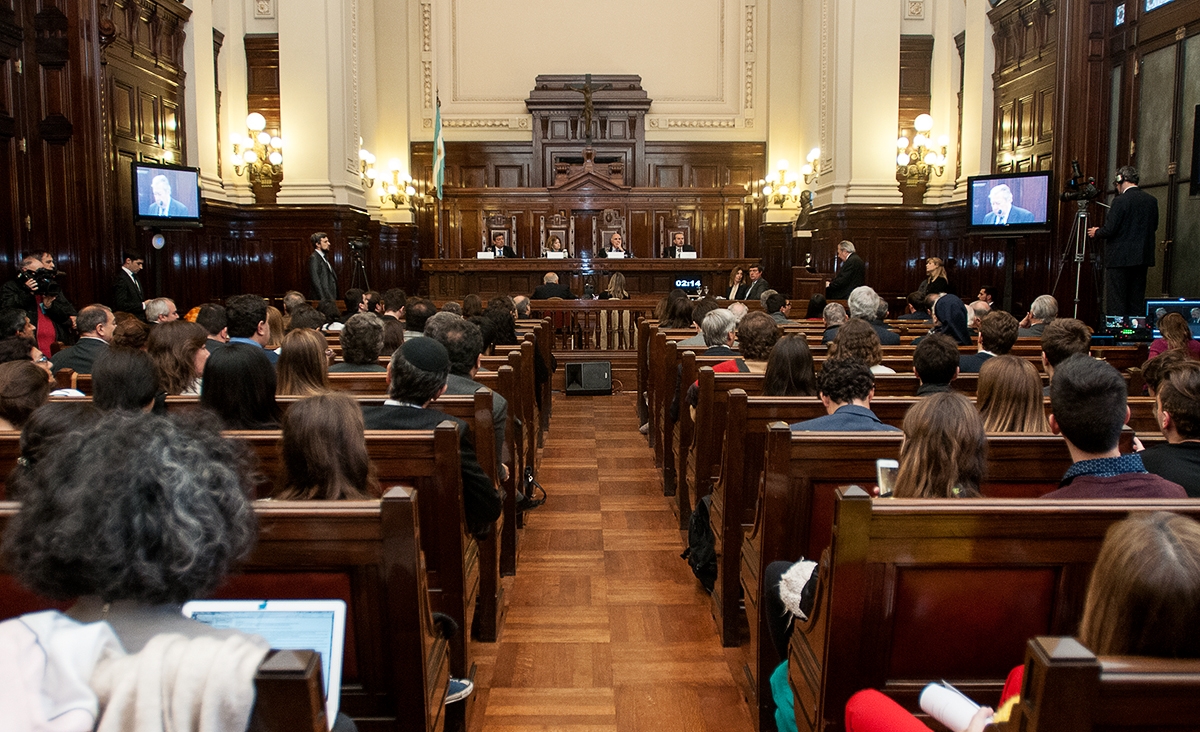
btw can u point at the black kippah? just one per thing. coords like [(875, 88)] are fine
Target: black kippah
[(426, 354)]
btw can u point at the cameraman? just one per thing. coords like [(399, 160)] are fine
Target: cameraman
[(1129, 230), (61, 302), (35, 291)]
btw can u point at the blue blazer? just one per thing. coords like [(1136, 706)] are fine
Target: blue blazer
[(849, 418)]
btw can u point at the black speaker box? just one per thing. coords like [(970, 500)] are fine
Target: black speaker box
[(589, 379)]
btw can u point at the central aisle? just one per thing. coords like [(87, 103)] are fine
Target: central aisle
[(607, 629)]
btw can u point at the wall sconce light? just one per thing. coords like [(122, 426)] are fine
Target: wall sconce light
[(258, 155), (400, 192), (918, 161), (366, 165), (783, 188)]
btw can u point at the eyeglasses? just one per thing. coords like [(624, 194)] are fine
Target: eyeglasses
[(43, 359)]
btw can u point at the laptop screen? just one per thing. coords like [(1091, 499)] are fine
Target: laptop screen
[(317, 625)]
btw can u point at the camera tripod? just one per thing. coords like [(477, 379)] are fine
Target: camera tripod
[(1077, 242), (360, 270)]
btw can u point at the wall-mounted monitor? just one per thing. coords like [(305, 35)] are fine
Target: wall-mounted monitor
[(165, 196), (1011, 201)]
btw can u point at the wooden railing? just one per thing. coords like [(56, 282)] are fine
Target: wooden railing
[(609, 325)]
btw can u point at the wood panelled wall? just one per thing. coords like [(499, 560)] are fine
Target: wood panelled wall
[(1026, 42), (894, 241)]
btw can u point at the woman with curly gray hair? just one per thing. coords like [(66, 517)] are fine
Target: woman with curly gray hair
[(134, 515)]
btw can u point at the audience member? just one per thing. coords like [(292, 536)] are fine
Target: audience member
[(1156, 368), (550, 289), (464, 346), (790, 369), (23, 388), (247, 319), (1177, 408), (1176, 336), (1043, 310), (14, 322), (522, 304), (393, 335), (178, 352), (864, 303), (303, 368), (277, 328), (1010, 395), (944, 453), (950, 318), (834, 316), (678, 313), (502, 314), (96, 325), (739, 310), (757, 334), (416, 376), (354, 301), (858, 340), (42, 429), (239, 386), (130, 332), (778, 307), (997, 336), (472, 306), (161, 310), (918, 307), (452, 307), (292, 300), (846, 387), (1063, 338), (333, 317), (719, 331), (816, 307), (977, 311), (1088, 408), (416, 313), (394, 301), (123, 379), (616, 288), (362, 341), (212, 318), (305, 317), (699, 311), (323, 451), (935, 361), (738, 286)]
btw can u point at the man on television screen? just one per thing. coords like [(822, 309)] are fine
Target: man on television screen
[(163, 204), (1003, 211), (1129, 233)]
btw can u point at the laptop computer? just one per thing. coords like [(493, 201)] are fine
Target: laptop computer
[(317, 625)]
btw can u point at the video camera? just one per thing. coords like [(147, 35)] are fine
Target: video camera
[(1079, 188), (44, 278), (359, 244)]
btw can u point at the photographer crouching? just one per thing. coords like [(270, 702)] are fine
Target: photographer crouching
[(35, 291)]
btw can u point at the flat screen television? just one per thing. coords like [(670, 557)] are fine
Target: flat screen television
[(1189, 309), (165, 196), (1009, 201)]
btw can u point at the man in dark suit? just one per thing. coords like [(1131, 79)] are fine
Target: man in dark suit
[(1003, 211), (96, 324), (163, 204), (616, 245), (677, 246), (36, 293), (758, 283), (320, 269), (550, 288), (1043, 310), (852, 274), (246, 320), (997, 336), (416, 376), (1129, 231), (846, 387), (127, 290), (499, 248)]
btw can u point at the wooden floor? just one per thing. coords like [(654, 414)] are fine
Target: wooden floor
[(607, 628)]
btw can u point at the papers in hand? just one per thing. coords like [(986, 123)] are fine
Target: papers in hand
[(948, 705)]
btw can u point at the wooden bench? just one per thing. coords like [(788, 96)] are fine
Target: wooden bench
[(1068, 689), (289, 693), (913, 591), (802, 472), (367, 553)]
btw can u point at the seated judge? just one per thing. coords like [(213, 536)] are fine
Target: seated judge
[(499, 248), (1003, 211), (677, 246), (554, 244), (615, 245), (550, 289)]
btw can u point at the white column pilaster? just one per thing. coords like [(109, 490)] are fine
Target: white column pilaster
[(979, 61)]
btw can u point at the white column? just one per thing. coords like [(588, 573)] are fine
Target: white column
[(979, 58), (393, 73), (200, 101), (229, 17), (860, 101), (784, 38), (947, 21), (319, 103)]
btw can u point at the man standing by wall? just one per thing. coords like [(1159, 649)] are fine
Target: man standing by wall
[(1129, 231), (320, 269), (852, 274)]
